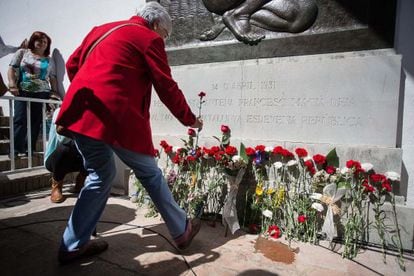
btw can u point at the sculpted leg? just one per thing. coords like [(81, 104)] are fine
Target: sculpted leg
[(238, 21), (214, 31)]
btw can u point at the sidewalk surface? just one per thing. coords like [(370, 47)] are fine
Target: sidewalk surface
[(31, 228)]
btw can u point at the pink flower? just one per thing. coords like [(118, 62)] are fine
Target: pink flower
[(225, 129)]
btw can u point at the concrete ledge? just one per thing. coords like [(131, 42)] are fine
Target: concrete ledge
[(17, 182)]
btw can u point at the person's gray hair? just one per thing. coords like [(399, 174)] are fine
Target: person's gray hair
[(153, 12)]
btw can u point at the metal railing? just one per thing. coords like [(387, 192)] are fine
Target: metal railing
[(11, 100)]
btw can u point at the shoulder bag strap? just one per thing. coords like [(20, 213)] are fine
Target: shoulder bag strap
[(105, 35)]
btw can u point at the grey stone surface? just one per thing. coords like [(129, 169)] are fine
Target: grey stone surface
[(340, 26), (324, 99), (136, 246)]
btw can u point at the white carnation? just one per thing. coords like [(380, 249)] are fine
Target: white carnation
[(267, 213), (367, 166), (236, 158), (393, 176), (316, 196), (292, 163), (317, 206), (278, 165), (345, 170), (307, 158), (268, 149)]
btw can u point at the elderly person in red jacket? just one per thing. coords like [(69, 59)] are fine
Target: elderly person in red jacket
[(107, 109)]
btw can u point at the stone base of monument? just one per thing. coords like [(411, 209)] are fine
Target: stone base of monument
[(348, 101)]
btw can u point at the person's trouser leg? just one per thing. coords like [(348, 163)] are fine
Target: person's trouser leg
[(151, 177), (36, 116), (100, 165), (20, 126)]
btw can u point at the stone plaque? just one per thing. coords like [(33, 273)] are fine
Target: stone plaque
[(348, 98)]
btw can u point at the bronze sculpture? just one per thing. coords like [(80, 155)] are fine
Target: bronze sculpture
[(239, 16)]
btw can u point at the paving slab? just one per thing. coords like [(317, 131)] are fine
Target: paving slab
[(31, 228)]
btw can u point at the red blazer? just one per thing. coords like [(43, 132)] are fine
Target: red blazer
[(110, 93)]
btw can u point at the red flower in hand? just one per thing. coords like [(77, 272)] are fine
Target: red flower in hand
[(202, 94), (191, 132)]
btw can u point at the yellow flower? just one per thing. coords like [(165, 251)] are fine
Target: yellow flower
[(193, 179), (280, 197), (259, 190), (270, 191)]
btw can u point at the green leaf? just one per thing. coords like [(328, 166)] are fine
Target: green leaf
[(218, 139), (332, 158), (344, 184), (242, 153)]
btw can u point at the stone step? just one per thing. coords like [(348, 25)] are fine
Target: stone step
[(5, 146), (4, 132), (20, 162), (18, 182), (4, 121)]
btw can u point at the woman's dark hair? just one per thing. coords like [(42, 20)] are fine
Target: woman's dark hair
[(39, 35)]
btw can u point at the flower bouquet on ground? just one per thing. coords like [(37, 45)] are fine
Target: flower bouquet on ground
[(232, 166)]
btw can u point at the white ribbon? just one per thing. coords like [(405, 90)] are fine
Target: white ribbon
[(229, 210), (331, 195)]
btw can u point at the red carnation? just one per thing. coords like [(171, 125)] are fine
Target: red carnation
[(378, 177), (368, 188), (215, 149), (191, 132), (202, 94), (302, 219), (301, 152), (386, 186), (286, 153), (191, 158), (274, 231), (260, 148), (330, 169), (225, 129), (319, 159), (250, 151), (278, 150), (156, 153), (230, 150), (168, 149)]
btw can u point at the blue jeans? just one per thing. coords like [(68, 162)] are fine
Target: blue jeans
[(20, 120), (100, 165)]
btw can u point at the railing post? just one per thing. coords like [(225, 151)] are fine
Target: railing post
[(29, 135), (11, 134), (44, 134)]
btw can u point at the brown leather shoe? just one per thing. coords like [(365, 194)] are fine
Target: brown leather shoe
[(92, 248), (56, 195), (193, 227)]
